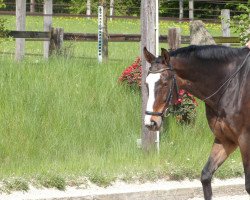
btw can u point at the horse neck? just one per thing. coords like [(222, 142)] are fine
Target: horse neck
[(200, 78)]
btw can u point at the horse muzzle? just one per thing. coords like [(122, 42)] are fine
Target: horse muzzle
[(153, 123)]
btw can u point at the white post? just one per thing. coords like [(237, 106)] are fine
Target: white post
[(225, 24), (100, 33), (181, 9), (20, 26), (156, 27), (32, 6), (111, 9), (156, 54), (48, 10), (191, 10), (88, 12)]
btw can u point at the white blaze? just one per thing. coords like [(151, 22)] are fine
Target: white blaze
[(151, 80)]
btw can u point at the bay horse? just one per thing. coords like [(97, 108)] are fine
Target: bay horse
[(220, 77)]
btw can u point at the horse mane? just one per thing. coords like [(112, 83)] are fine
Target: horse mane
[(208, 52)]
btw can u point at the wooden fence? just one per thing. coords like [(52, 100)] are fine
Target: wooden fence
[(56, 37), (92, 37)]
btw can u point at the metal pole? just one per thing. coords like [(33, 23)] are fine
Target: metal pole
[(156, 54), (156, 27)]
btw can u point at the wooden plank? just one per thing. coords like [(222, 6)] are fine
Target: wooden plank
[(28, 34), (221, 39), (20, 26), (92, 37)]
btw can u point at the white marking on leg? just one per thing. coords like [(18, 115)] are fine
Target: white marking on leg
[(151, 81)]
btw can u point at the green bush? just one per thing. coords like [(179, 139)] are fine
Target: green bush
[(2, 23), (241, 23)]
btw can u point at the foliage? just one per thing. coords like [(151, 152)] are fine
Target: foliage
[(132, 74), (184, 109), (241, 23), (52, 181), (2, 5), (15, 184), (2, 23)]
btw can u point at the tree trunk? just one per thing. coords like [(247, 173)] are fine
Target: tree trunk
[(199, 34), (148, 40)]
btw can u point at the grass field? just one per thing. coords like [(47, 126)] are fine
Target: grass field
[(69, 117)]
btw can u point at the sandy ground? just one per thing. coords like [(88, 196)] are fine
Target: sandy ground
[(236, 197), (121, 187)]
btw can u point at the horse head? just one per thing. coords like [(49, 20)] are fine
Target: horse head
[(162, 88)]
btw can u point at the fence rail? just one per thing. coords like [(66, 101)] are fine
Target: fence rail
[(92, 37)]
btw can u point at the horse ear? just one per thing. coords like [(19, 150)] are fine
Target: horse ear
[(149, 56), (165, 55)]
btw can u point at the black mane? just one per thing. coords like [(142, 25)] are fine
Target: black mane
[(208, 52)]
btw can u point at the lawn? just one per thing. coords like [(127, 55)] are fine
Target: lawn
[(68, 117)]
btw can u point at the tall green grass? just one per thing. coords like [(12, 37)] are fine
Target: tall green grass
[(70, 117)]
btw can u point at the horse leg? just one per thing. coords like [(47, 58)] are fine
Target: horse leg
[(244, 144), (219, 153)]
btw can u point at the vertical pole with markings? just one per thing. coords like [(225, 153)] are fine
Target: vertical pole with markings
[(100, 33)]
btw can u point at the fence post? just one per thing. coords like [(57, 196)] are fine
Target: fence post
[(102, 31), (225, 24), (88, 12), (32, 6), (148, 39), (56, 41), (111, 9), (20, 26), (181, 9), (174, 38), (191, 10), (48, 11)]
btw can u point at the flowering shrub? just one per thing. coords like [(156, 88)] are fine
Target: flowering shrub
[(184, 107), (132, 74)]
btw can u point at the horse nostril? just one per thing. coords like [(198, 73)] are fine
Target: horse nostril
[(153, 123)]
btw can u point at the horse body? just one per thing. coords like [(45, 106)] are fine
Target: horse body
[(209, 73)]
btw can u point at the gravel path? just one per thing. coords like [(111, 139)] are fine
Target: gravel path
[(176, 190), (235, 197)]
